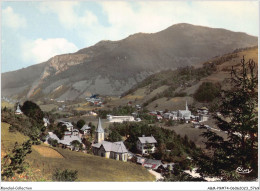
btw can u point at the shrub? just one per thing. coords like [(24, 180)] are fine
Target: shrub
[(65, 176)]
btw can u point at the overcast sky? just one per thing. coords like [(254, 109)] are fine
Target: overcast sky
[(33, 32)]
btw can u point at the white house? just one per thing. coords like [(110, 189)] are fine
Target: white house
[(85, 129), (203, 117), (18, 110), (116, 150), (203, 110), (68, 139), (146, 145), (68, 125), (120, 119), (46, 122)]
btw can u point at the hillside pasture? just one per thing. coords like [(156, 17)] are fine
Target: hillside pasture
[(44, 160)]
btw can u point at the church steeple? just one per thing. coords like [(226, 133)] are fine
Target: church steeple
[(100, 135), (187, 109)]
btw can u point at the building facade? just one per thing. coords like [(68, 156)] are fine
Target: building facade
[(146, 145)]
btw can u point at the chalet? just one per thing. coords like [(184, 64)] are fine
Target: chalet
[(203, 117), (113, 150), (68, 125), (203, 110), (85, 129), (18, 110), (46, 122), (184, 114), (152, 164), (66, 141), (146, 145), (120, 119)]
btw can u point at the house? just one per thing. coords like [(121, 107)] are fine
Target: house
[(138, 119), (203, 117), (120, 119), (68, 125), (85, 129), (152, 164), (146, 145), (67, 139), (18, 110), (203, 110), (46, 122), (113, 150), (168, 115)]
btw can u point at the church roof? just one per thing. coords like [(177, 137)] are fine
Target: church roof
[(99, 128), (117, 147)]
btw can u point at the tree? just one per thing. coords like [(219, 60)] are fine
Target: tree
[(75, 144), (240, 121), (80, 123), (53, 142), (14, 162), (114, 136), (65, 176), (33, 111)]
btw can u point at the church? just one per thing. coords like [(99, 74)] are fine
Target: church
[(113, 150), (184, 114)]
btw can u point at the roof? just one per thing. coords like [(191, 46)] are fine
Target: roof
[(99, 128), (150, 163), (52, 136), (68, 139), (85, 127), (45, 120), (117, 147), (203, 108), (147, 139), (68, 124)]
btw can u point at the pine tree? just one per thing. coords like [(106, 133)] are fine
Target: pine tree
[(240, 120)]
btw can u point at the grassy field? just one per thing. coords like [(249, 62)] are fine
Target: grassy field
[(44, 160), (6, 104)]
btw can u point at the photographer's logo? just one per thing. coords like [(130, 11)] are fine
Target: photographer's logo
[(240, 170)]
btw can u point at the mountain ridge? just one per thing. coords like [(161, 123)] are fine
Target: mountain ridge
[(113, 67)]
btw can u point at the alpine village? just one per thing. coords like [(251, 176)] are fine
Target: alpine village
[(150, 107)]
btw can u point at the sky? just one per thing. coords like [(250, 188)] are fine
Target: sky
[(33, 32)]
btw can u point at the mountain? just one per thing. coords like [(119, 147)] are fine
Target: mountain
[(170, 89), (113, 67)]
